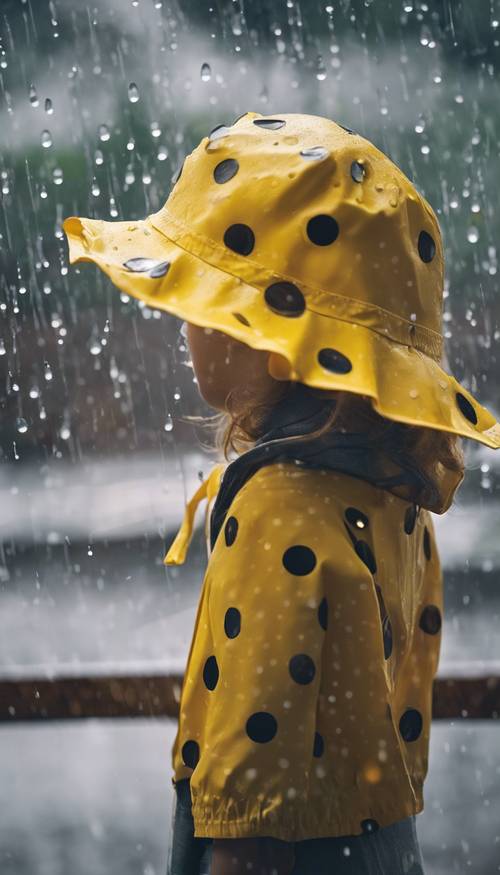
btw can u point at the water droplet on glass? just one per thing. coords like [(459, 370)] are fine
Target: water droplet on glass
[(21, 425), (57, 176), (33, 96), (472, 235), (168, 423), (49, 109), (133, 93), (104, 134), (206, 73), (46, 139)]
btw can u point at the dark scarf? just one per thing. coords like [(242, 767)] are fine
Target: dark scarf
[(300, 413)]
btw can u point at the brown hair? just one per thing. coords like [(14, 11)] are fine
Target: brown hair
[(247, 408)]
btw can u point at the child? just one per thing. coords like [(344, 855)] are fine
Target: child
[(310, 274)]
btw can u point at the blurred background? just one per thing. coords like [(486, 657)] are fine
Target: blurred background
[(99, 104)]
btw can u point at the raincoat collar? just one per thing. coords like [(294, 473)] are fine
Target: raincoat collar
[(298, 414)]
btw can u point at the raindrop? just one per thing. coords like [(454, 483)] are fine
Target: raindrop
[(320, 69), (472, 235), (65, 432), (129, 175), (57, 176), (33, 96), (95, 188), (21, 425), (155, 129), (133, 93), (206, 73), (47, 372), (131, 144), (43, 192), (49, 109), (104, 134), (34, 393), (168, 423), (46, 139), (2, 347), (98, 157), (112, 207), (95, 347), (162, 153)]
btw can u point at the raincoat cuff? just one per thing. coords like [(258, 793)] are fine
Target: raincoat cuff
[(176, 554)]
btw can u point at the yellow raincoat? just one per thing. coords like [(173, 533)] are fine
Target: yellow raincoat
[(306, 704)]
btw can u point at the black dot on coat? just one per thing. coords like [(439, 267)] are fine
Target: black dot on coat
[(218, 132), (322, 230), (302, 668), (270, 124), (387, 636), (225, 170), (240, 238), (334, 361), (364, 552), (261, 727), (232, 622), (230, 530), (430, 619), (369, 825), (211, 673), (427, 543), (357, 171), (285, 299), (388, 712), (410, 518), (160, 269), (345, 129), (140, 264), (466, 408), (177, 174), (356, 518), (240, 116), (299, 559), (323, 613), (410, 724), (426, 246), (190, 753), (319, 745)]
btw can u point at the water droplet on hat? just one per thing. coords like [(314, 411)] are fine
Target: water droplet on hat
[(205, 72), (133, 93), (314, 153), (104, 134), (46, 139)]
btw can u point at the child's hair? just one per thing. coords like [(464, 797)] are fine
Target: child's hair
[(248, 408)]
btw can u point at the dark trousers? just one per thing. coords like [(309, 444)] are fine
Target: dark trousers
[(391, 850)]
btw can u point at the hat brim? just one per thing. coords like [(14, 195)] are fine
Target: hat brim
[(404, 384)]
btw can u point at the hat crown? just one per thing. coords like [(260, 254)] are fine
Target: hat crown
[(301, 197)]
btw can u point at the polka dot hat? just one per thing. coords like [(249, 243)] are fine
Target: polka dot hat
[(296, 235)]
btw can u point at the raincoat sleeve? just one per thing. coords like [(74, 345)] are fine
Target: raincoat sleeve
[(267, 620)]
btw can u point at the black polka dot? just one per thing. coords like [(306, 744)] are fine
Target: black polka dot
[(369, 825), (225, 170), (344, 128), (319, 745), (177, 174), (323, 613), (356, 518), (240, 238), (388, 712), (285, 299), (140, 264), (334, 361), (302, 668), (466, 408), (161, 269), (270, 124), (410, 724), (230, 530), (211, 673), (232, 622), (386, 623), (240, 116), (426, 246), (299, 559), (357, 171), (410, 518), (364, 553), (315, 153), (430, 619), (322, 230), (218, 132), (190, 753), (242, 319), (261, 727), (427, 543)]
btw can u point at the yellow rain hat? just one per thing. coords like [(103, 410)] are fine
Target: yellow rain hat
[(295, 235)]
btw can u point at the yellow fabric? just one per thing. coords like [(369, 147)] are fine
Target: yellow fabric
[(372, 297), (366, 771), (176, 554)]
